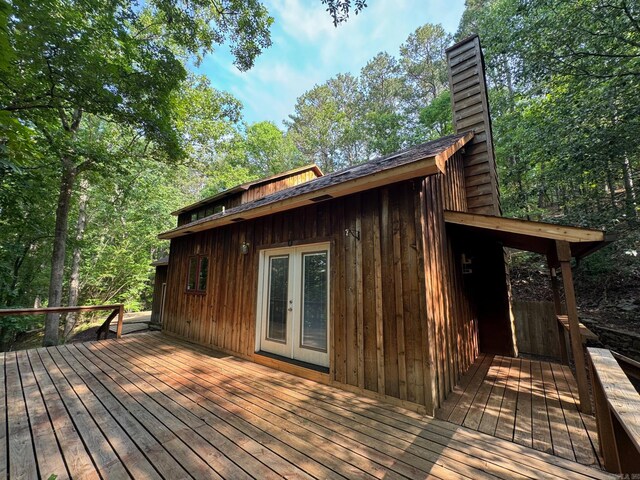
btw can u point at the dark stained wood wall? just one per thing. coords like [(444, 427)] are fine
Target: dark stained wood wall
[(395, 311)]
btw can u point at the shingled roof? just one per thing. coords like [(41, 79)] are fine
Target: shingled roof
[(420, 160)]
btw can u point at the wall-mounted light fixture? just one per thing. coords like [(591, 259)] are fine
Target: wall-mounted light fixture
[(244, 248), (352, 233)]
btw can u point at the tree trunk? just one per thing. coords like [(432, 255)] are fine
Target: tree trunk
[(74, 279), (611, 186), (630, 194), (52, 320)]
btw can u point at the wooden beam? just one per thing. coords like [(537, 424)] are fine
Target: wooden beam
[(36, 311), (120, 320), (557, 303), (617, 413), (564, 256), (585, 333), (525, 227), (442, 157), (421, 168)]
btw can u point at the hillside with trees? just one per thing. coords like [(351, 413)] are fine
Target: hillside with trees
[(104, 131)]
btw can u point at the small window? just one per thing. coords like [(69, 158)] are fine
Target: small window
[(197, 274), (209, 211), (218, 209), (201, 214), (194, 217)]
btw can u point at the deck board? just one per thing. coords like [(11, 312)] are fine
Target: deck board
[(531, 403), (152, 406)]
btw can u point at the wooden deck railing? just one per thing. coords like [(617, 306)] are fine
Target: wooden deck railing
[(117, 309), (617, 413)]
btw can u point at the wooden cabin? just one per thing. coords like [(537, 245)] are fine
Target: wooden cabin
[(387, 278), (384, 280)]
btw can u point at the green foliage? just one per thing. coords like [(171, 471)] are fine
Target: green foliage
[(326, 127), (125, 216), (269, 150), (340, 9), (6, 52), (436, 118), (349, 120), (564, 79)]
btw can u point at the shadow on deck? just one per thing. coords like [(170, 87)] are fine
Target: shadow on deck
[(150, 406), (531, 403)]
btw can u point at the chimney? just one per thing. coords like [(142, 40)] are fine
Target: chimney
[(470, 105)]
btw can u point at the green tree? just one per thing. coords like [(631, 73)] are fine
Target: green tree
[(269, 150), (424, 68), (119, 60), (383, 91), (436, 118), (327, 124)]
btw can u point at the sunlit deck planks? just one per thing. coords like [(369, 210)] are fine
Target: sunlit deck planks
[(529, 402), (149, 406)]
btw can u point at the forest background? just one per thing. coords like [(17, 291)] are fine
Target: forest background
[(104, 131)]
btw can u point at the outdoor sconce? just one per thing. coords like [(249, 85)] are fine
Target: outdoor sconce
[(353, 233), (244, 248)]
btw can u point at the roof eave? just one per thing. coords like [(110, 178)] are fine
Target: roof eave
[(420, 168)]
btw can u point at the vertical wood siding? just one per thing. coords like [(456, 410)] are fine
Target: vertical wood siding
[(470, 105), (452, 322), (389, 289), (264, 189)]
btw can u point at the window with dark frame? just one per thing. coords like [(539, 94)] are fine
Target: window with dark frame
[(197, 274)]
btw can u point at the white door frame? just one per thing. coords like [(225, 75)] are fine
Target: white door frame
[(293, 347)]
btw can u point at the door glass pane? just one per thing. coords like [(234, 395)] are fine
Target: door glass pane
[(278, 298), (314, 300)]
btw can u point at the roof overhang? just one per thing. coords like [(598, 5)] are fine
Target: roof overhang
[(161, 262), (537, 237), (315, 192)]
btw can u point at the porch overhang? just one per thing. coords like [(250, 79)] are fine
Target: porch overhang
[(537, 237)]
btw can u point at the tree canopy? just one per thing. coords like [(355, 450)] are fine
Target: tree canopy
[(103, 123)]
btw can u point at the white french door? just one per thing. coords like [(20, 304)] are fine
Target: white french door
[(293, 303)]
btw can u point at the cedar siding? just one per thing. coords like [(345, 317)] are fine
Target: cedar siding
[(397, 326)]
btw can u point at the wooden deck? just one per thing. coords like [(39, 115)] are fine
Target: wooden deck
[(528, 402), (149, 406)]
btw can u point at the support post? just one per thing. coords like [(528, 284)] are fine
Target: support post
[(120, 320), (557, 303), (563, 250)]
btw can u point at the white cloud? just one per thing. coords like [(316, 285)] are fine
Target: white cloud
[(307, 49)]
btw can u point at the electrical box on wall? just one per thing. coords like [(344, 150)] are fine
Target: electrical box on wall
[(467, 263)]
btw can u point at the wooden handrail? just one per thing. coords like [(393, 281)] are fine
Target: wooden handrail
[(585, 333), (617, 413), (117, 309), (629, 366)]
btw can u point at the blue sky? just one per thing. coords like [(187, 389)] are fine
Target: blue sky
[(308, 50)]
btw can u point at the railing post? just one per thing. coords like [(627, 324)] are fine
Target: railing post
[(564, 257), (557, 303), (606, 439), (120, 320)]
